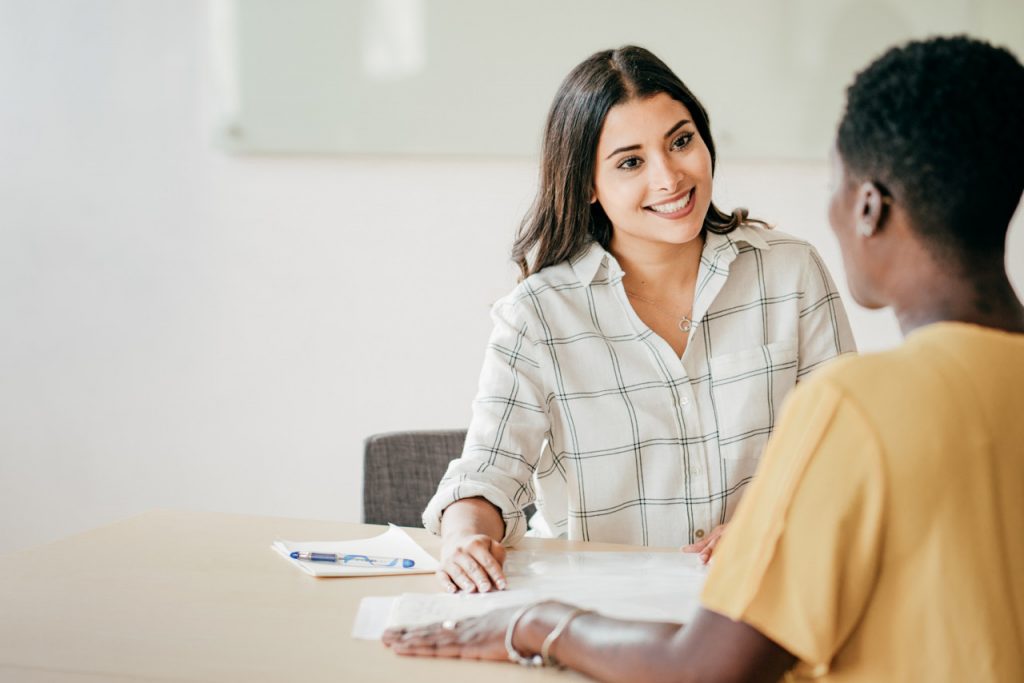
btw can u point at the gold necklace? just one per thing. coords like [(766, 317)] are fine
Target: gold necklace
[(684, 323)]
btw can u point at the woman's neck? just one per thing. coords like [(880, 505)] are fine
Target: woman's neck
[(656, 269), (980, 294)]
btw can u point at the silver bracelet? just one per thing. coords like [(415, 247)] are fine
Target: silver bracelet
[(513, 654), (556, 632)]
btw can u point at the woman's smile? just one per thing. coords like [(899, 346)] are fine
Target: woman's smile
[(674, 208)]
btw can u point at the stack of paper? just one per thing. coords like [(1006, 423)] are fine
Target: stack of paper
[(646, 585)]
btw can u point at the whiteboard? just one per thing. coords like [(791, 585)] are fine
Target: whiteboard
[(474, 78)]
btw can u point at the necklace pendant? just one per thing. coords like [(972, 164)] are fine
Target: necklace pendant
[(685, 324)]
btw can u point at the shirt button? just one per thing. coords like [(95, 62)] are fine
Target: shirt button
[(684, 401), (699, 533)]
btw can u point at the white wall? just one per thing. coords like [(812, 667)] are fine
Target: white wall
[(179, 328)]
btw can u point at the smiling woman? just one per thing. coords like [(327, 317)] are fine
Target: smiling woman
[(634, 375)]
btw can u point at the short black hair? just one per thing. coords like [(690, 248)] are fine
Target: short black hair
[(939, 123)]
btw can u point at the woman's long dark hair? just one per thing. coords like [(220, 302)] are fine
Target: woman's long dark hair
[(562, 220)]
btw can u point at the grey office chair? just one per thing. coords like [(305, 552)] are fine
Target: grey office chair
[(401, 471)]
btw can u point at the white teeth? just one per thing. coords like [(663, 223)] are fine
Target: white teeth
[(674, 206)]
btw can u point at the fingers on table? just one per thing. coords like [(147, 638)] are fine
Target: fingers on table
[(462, 576), (705, 554), (474, 568), (711, 542), (392, 635), (427, 641), (696, 547), (446, 649), (446, 581), (428, 649), (491, 561), (707, 542)]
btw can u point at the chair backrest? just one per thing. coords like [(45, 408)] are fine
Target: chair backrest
[(401, 471)]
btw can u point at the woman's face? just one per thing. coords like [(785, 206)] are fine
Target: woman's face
[(653, 172)]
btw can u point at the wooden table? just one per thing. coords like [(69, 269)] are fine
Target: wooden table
[(188, 596)]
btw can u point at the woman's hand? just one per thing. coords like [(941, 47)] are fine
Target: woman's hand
[(706, 545), (480, 637), (472, 563)]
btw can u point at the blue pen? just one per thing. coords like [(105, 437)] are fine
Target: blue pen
[(364, 560)]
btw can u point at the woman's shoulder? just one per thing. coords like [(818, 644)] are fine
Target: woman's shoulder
[(762, 237), (536, 285), (772, 243), (558, 279)]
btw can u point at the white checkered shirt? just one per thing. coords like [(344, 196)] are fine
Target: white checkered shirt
[(585, 411)]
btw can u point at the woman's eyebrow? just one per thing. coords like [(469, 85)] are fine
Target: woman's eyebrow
[(630, 148), (622, 149), (676, 127)]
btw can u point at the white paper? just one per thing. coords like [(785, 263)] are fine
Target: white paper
[(392, 543), (372, 617), (644, 585)]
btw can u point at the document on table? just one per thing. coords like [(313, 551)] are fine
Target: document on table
[(393, 543), (646, 585)]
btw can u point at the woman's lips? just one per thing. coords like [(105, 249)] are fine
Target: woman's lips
[(676, 208)]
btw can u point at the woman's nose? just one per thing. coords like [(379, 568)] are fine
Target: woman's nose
[(664, 173)]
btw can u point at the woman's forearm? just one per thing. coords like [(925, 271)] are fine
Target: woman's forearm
[(603, 648), (711, 648), (471, 516)]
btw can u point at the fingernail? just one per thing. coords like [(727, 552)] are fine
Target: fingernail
[(452, 589), (501, 585)]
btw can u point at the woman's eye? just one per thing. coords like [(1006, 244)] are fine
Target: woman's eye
[(682, 141), (630, 163)]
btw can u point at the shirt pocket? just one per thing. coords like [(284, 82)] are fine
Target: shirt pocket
[(747, 390)]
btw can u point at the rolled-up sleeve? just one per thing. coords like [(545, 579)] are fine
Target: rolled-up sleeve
[(509, 426), (824, 327)]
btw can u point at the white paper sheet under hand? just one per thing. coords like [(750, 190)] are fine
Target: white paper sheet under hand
[(392, 543), (645, 586), (372, 617)]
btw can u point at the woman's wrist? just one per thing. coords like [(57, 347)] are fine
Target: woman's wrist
[(535, 626), (469, 517)]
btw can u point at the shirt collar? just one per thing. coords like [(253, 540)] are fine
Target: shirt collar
[(588, 262), (717, 243)]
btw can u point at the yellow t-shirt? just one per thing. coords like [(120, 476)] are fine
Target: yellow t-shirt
[(883, 536)]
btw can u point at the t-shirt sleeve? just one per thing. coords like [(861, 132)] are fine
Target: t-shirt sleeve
[(800, 559), (510, 423)]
